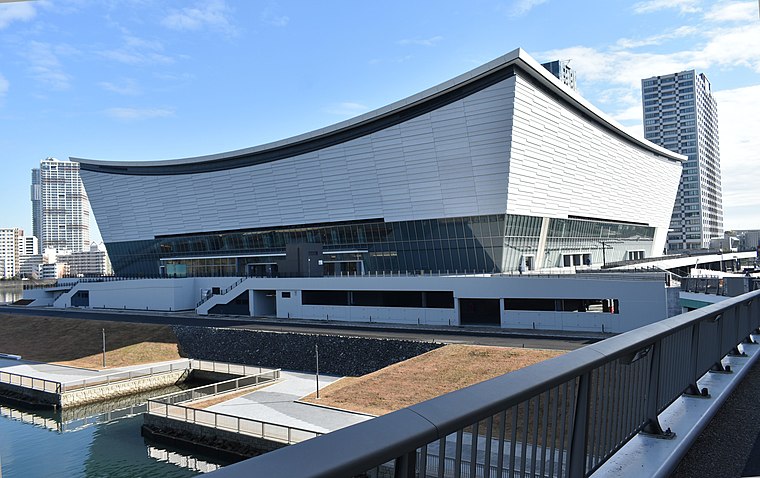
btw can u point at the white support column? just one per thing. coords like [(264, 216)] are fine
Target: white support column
[(540, 253)]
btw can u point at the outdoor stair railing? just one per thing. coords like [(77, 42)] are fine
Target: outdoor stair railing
[(563, 417), (209, 296)]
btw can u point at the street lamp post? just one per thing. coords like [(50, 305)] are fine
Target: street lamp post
[(316, 351), (104, 348)]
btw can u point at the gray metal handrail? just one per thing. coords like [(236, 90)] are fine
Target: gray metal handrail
[(562, 417), (217, 388), (705, 285), (174, 406), (123, 375), (234, 423), (209, 296), (33, 383), (229, 368)]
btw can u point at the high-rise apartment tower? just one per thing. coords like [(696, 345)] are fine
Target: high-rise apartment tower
[(60, 208), (36, 205), (562, 70), (680, 114)]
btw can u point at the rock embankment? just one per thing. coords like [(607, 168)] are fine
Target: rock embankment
[(338, 355)]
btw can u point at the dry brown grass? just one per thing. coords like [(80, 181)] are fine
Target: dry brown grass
[(78, 342), (426, 376)]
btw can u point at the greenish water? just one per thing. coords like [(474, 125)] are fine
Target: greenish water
[(45, 444)]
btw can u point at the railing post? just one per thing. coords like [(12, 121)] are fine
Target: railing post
[(652, 425), (405, 465), (576, 466), (693, 388)]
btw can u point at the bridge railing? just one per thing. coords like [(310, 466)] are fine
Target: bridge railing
[(704, 285), (561, 418)]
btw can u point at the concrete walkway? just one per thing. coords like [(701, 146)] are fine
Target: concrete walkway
[(278, 404), (63, 373)]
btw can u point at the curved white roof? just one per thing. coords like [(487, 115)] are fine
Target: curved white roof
[(376, 120)]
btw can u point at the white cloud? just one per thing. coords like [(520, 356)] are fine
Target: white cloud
[(728, 38), (684, 6), (270, 16), (739, 150), (521, 7), (137, 51), (679, 32), (210, 13), (127, 86), (730, 47), (619, 67), (11, 12), (432, 41), (131, 114), (4, 85), (724, 47), (347, 108), (46, 66), (636, 130), (733, 12)]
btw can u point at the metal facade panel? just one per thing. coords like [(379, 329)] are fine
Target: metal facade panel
[(511, 139), (563, 164), (448, 163)]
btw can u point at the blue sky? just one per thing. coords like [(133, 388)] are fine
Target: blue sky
[(147, 80)]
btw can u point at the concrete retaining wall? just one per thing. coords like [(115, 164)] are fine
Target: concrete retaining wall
[(338, 355), (121, 389), (35, 398), (207, 437)]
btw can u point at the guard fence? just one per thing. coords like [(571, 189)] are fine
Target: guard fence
[(720, 285), (141, 372), (33, 383), (560, 418), (187, 406)]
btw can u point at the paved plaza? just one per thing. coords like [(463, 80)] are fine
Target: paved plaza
[(278, 404)]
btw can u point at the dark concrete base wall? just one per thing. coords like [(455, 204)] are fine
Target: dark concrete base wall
[(210, 440), (34, 398), (351, 356)]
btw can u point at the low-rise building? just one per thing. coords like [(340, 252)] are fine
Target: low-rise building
[(92, 263)]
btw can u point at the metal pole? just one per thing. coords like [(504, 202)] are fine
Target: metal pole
[(104, 348), (316, 350)]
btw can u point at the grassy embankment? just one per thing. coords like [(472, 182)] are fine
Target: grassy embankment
[(79, 342), (426, 376)]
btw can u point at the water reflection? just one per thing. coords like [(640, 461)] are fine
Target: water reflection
[(8, 295), (76, 418), (183, 460), (95, 440)]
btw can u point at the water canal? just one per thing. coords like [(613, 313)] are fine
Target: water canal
[(8, 295), (101, 441)]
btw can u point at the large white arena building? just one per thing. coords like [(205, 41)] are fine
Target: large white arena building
[(499, 169)]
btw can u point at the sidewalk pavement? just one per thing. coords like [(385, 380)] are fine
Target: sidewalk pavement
[(64, 373), (278, 404)]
